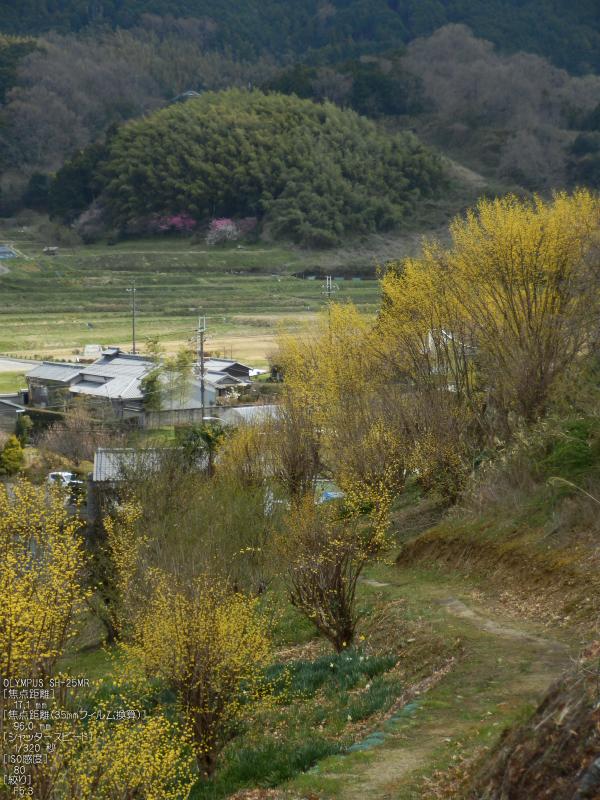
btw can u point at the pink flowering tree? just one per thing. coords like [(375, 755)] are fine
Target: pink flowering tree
[(221, 231), (180, 223)]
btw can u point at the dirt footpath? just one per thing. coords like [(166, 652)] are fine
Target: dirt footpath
[(507, 665)]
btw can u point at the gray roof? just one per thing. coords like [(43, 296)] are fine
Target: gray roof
[(221, 379), (116, 370), (115, 358), (50, 371), (112, 465), (114, 375), (107, 465), (252, 413), (124, 387), (15, 406), (221, 364)]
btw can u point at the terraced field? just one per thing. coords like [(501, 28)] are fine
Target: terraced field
[(56, 305)]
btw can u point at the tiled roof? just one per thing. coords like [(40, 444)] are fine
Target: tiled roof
[(116, 370), (219, 364), (111, 465), (221, 378), (121, 371), (123, 386), (50, 371), (133, 391), (122, 360), (223, 364), (11, 404)]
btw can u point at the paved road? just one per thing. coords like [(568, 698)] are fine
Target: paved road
[(4, 270), (17, 364)]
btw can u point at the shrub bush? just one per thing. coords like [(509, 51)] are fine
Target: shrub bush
[(12, 457)]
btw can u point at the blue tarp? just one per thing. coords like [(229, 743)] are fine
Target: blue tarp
[(327, 496)]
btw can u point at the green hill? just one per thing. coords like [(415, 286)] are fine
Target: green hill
[(312, 172), (567, 33)]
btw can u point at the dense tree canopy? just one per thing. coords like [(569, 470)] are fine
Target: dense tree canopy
[(456, 67), (313, 171), (372, 86), (567, 33), (12, 50)]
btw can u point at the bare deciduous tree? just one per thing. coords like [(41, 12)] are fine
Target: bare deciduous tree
[(79, 435), (328, 84), (68, 92), (518, 99), (320, 556), (293, 446)]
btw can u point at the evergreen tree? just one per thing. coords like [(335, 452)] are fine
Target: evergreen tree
[(12, 457)]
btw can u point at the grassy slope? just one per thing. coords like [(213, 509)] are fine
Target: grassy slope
[(494, 682), (325, 701), (476, 637), (467, 684), (460, 679), (11, 381), (536, 549), (512, 577)]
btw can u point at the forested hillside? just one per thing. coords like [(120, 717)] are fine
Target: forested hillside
[(447, 71), (313, 171), (567, 33)]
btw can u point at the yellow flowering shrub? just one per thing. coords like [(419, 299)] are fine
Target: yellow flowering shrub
[(336, 374), (129, 758), (41, 580), (190, 629), (209, 644), (505, 309)]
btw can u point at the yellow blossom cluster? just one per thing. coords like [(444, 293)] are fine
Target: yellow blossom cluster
[(503, 311), (207, 642), (149, 758), (41, 579)]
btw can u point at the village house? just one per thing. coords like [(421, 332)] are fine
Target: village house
[(11, 406), (233, 368), (117, 377)]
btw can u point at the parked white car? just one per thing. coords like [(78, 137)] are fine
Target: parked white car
[(60, 479)]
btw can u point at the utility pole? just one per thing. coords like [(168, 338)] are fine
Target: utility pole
[(200, 331), (132, 290), (328, 289)]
